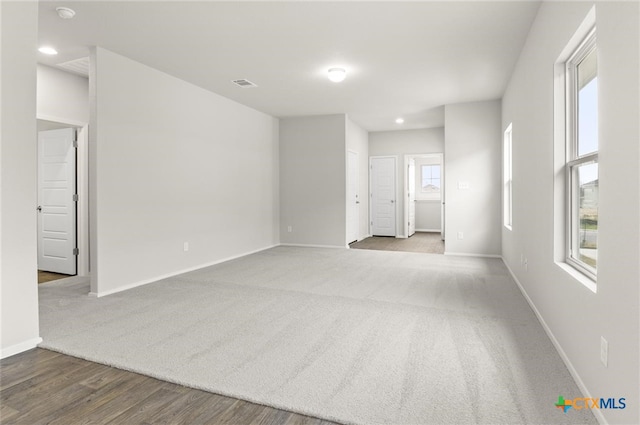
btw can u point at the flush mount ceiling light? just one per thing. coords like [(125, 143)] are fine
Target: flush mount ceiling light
[(336, 74), (65, 12), (399, 120), (48, 50)]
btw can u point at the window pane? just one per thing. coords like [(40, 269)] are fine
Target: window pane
[(430, 179), (588, 105), (588, 214)]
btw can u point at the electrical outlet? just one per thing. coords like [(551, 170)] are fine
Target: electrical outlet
[(460, 235), (604, 351), (289, 229), (186, 246)]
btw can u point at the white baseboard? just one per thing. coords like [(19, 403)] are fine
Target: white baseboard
[(574, 373), (19, 348), (429, 230), (464, 254), (168, 275)]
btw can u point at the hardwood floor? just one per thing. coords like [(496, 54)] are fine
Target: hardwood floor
[(44, 387), (44, 277), (424, 242)]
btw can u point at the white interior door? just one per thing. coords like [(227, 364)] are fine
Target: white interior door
[(411, 196), (56, 203), (353, 203), (383, 196)]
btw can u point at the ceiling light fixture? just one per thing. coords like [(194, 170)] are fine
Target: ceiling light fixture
[(65, 12), (48, 50), (336, 74), (399, 120)]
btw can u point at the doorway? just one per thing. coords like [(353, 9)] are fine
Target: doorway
[(424, 199), (62, 200)]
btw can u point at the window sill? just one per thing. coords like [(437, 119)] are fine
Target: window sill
[(584, 280)]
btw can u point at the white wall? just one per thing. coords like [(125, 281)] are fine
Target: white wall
[(575, 316), (173, 163), (405, 142), (62, 95), (313, 180), (358, 141), (18, 269), (473, 155)]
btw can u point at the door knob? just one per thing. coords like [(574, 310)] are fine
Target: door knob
[(392, 201), (39, 208)]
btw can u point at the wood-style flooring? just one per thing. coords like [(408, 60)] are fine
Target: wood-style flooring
[(425, 242), (44, 277), (44, 387)]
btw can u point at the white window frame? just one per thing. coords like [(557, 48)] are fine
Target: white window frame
[(507, 196), (430, 196), (574, 160)]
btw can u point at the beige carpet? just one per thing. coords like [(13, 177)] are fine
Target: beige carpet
[(355, 336), (424, 242)]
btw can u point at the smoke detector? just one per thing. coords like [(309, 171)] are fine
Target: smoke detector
[(65, 12)]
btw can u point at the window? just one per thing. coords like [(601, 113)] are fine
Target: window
[(581, 168), (430, 180), (508, 178)]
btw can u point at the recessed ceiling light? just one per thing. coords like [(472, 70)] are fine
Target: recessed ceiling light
[(48, 50), (399, 120), (336, 74), (65, 12)]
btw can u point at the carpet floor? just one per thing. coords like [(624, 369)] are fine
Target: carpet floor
[(353, 336)]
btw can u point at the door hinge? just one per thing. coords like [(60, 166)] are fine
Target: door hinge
[(76, 251), (75, 197)]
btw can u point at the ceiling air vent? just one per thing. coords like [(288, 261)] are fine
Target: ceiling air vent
[(78, 66), (245, 84)]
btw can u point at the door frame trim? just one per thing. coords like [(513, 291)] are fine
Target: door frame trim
[(82, 188), (395, 191)]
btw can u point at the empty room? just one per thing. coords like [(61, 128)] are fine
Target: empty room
[(312, 212)]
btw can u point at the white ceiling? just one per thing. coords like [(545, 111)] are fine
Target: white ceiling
[(403, 58)]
